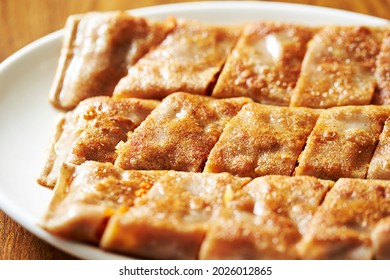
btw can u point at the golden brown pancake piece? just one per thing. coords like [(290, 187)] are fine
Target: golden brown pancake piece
[(86, 196), (342, 142), (187, 60), (179, 134), (265, 63), (338, 68), (171, 220), (92, 131), (262, 140), (351, 223), (265, 220), (97, 50)]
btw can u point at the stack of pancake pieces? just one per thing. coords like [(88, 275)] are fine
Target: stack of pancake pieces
[(186, 140)]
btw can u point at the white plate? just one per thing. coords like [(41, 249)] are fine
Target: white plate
[(27, 119)]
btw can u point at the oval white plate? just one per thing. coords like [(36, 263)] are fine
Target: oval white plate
[(27, 119)]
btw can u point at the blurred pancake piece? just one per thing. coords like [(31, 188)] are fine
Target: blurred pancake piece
[(98, 48)]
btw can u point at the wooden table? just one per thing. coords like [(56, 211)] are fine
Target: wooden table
[(24, 21)]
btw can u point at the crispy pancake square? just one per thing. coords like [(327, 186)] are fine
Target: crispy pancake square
[(342, 142), (92, 131), (179, 134), (338, 68), (265, 63), (86, 196), (265, 220), (187, 60), (171, 220), (262, 140), (351, 223), (97, 50)]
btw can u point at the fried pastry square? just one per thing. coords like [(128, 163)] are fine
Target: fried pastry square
[(179, 134), (380, 163), (92, 131), (280, 209), (342, 142), (262, 140), (87, 195), (97, 50), (170, 221), (265, 63), (338, 68), (187, 60), (382, 95), (351, 223)]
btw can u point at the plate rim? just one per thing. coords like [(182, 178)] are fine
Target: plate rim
[(85, 251)]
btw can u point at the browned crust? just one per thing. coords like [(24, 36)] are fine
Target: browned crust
[(86, 196), (179, 134), (91, 132), (189, 59), (338, 68), (265, 219), (342, 142), (262, 140), (172, 219), (252, 71), (342, 226), (187, 215)]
